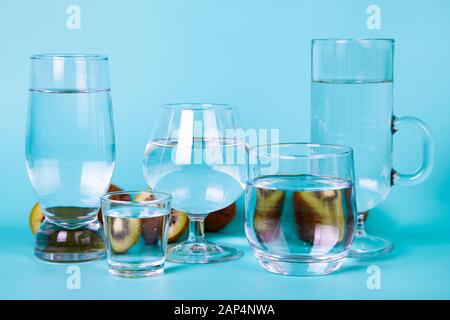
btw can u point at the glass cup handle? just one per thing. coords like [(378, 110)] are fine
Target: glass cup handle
[(426, 166)]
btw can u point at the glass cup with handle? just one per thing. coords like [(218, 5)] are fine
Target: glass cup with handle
[(352, 104), (70, 152), (197, 153)]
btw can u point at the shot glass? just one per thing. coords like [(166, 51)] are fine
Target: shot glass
[(136, 229)]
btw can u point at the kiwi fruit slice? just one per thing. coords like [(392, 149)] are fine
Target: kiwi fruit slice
[(151, 227), (178, 223), (36, 218), (123, 233), (144, 196), (318, 208), (37, 213), (268, 211)]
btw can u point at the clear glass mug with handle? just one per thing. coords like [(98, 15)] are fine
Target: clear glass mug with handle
[(70, 152), (352, 104)]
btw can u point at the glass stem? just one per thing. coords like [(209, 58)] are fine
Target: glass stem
[(361, 223), (197, 229)]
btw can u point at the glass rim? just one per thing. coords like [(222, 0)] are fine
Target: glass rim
[(341, 150), (165, 197), (197, 106), (345, 40), (69, 56)]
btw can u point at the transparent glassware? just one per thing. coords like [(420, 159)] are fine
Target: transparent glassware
[(136, 225), (300, 209), (197, 153), (70, 152), (352, 105)]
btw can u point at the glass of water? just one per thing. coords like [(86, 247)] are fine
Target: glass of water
[(70, 152), (300, 207), (136, 228), (352, 105), (197, 153)]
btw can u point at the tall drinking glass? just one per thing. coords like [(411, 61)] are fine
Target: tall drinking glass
[(352, 104), (70, 152), (197, 153)]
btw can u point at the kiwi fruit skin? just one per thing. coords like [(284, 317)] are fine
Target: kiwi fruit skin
[(178, 223), (123, 197), (123, 233), (217, 220), (151, 229)]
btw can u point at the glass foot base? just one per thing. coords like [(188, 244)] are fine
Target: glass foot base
[(202, 252), (367, 246), (56, 243), (135, 271), (298, 268)]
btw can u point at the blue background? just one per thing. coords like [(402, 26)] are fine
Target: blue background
[(256, 56)]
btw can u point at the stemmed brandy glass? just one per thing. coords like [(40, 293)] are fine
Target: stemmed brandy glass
[(197, 153), (70, 152)]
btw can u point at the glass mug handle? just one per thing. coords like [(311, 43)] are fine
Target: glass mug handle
[(426, 166)]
